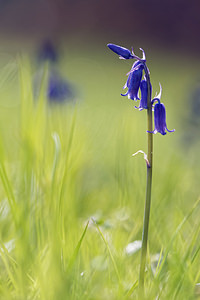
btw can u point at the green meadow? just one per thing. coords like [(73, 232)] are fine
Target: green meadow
[(71, 194)]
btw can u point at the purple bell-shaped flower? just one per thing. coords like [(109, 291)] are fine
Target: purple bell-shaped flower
[(134, 80), (160, 116), (144, 95)]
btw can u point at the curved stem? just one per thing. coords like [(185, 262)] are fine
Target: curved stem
[(148, 188)]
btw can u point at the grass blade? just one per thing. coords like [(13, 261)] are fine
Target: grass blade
[(76, 251)]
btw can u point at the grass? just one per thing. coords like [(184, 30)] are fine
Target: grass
[(72, 197)]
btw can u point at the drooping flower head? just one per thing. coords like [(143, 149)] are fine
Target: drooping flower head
[(135, 75), (133, 81), (160, 116), (144, 95)]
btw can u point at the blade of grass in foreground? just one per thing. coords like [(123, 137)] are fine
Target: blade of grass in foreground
[(26, 98), (8, 190), (174, 236), (161, 261), (76, 251), (8, 261), (110, 253), (132, 289), (69, 147), (65, 175)]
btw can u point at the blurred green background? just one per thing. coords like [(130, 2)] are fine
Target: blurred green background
[(64, 165)]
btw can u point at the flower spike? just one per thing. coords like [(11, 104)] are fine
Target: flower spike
[(134, 82)]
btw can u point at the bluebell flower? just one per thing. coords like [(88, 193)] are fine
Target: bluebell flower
[(58, 89), (48, 52), (144, 95), (133, 81), (160, 118), (121, 51)]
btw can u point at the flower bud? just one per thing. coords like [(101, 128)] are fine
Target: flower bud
[(121, 51)]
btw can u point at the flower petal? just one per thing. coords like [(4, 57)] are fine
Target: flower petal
[(170, 130), (124, 94), (154, 131)]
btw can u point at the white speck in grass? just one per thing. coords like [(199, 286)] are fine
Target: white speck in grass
[(197, 290), (123, 214), (56, 139), (99, 263), (4, 209), (91, 221), (133, 247), (156, 260), (10, 245), (96, 218)]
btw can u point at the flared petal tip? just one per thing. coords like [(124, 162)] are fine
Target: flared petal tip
[(170, 130), (124, 94), (139, 107), (154, 131), (133, 97)]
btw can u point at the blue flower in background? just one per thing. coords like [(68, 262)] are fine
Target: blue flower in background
[(133, 81), (58, 89), (121, 51), (47, 52)]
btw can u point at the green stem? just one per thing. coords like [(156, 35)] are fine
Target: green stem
[(148, 189)]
